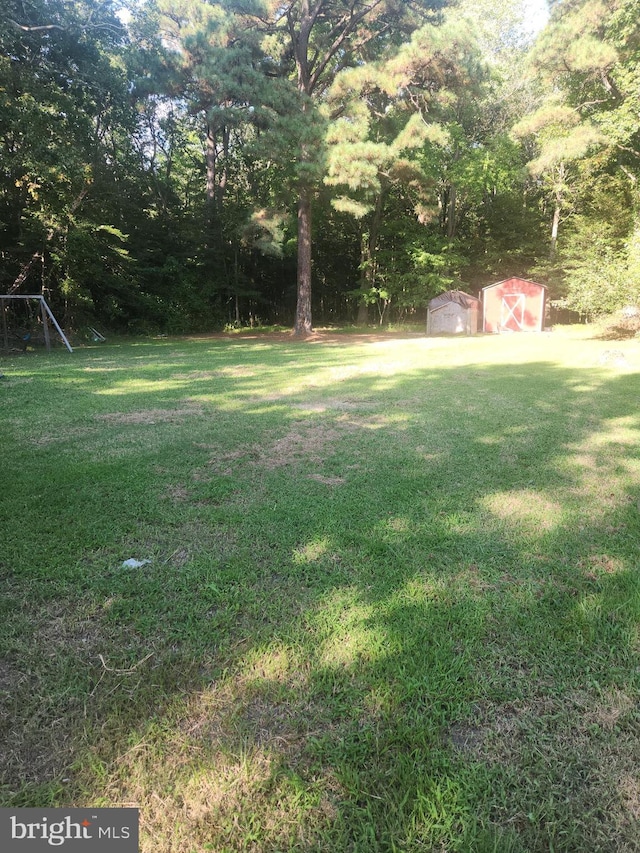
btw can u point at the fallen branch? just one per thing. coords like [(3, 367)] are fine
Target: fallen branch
[(124, 671), (106, 669)]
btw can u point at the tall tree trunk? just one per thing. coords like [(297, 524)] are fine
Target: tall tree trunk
[(557, 209), (554, 229), (222, 180), (211, 223), (303, 324), (451, 213), (314, 71), (368, 262), (363, 313), (216, 159), (210, 157), (216, 162)]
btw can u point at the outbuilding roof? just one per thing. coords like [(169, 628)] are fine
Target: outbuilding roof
[(514, 278), (464, 299)]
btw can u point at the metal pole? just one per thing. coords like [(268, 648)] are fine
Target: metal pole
[(55, 323), (4, 324), (45, 325)]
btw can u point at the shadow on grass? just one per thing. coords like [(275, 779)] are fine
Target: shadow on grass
[(387, 609)]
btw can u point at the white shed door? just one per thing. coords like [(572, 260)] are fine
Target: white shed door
[(512, 311)]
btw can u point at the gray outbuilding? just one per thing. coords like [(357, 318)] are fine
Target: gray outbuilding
[(453, 313)]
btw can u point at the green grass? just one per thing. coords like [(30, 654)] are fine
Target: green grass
[(392, 603)]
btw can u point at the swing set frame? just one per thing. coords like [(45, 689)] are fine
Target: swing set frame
[(46, 315)]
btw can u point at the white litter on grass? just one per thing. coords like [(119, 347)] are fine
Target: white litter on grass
[(614, 357), (134, 564)]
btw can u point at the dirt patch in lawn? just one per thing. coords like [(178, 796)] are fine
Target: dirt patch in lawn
[(305, 442), (151, 416), (320, 336), (328, 481)]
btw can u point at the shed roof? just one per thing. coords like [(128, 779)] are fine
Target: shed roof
[(514, 278), (464, 299)]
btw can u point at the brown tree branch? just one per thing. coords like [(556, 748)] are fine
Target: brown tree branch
[(42, 28), (37, 255), (347, 28)]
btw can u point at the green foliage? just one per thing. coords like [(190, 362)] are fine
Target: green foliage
[(149, 173), (588, 59), (602, 270), (63, 111), (560, 134), (410, 267)]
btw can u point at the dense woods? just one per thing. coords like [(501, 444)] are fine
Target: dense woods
[(181, 165)]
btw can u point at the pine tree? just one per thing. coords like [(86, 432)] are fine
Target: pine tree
[(387, 113), (587, 131), (311, 42)]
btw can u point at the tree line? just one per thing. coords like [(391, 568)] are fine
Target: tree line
[(181, 165)]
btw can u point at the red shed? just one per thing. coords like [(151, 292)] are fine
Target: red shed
[(513, 305)]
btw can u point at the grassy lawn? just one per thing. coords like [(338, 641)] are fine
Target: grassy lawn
[(392, 600)]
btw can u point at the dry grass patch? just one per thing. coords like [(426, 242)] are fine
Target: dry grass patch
[(234, 371), (248, 796), (605, 711), (177, 493), (231, 767), (373, 422), (195, 376), (334, 405), (328, 481), (532, 512), (42, 727), (151, 416), (629, 787), (585, 746), (305, 442), (69, 433)]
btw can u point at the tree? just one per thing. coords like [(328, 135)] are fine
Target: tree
[(387, 113), (62, 98), (562, 138), (588, 57), (311, 42)]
